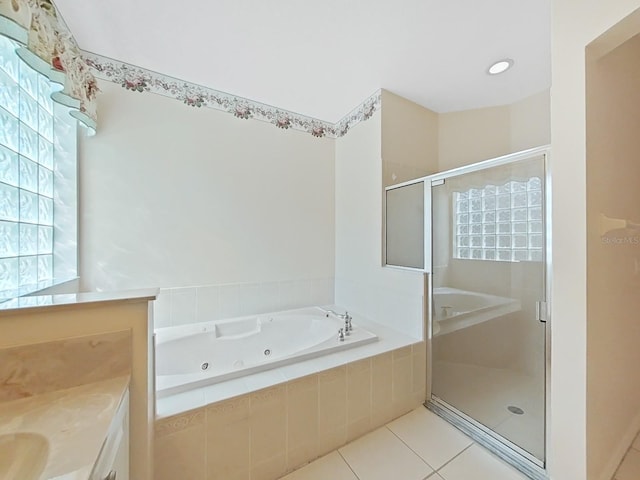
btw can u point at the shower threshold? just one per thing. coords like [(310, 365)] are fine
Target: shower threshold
[(515, 456)]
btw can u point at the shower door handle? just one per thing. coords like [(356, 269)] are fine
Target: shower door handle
[(541, 312)]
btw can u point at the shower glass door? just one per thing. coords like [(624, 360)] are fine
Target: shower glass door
[(488, 331)]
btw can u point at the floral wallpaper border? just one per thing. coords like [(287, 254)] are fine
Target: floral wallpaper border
[(137, 79)]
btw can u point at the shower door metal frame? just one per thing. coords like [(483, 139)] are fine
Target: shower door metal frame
[(426, 267), (499, 445)]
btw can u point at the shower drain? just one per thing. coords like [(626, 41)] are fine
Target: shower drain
[(515, 410)]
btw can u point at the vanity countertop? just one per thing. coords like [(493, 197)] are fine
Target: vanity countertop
[(75, 422), (38, 302)]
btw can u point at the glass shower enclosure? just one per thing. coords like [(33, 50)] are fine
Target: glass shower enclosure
[(485, 241)]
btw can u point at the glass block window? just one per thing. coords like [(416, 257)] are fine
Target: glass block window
[(500, 222), (27, 165)]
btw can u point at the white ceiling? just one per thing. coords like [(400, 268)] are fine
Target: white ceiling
[(323, 58)]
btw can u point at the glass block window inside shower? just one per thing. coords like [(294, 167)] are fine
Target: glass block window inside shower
[(500, 222), (38, 193)]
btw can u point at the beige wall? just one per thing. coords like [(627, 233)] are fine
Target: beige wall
[(530, 122), (175, 196), (575, 23), (470, 136), (418, 142), (409, 139), (613, 267)]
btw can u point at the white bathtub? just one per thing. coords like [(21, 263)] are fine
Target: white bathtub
[(454, 309), (202, 354)]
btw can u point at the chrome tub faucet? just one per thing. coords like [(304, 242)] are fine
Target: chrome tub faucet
[(347, 321)]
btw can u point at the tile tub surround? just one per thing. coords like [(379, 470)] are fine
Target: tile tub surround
[(74, 421), (264, 434), (184, 305), (43, 367), (388, 340)]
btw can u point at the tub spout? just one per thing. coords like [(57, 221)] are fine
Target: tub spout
[(345, 316)]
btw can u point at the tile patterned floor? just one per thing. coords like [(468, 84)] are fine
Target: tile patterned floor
[(629, 469), (417, 446)]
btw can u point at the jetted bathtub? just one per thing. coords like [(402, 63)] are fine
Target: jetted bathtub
[(202, 354)]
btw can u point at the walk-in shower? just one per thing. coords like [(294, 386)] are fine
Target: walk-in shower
[(481, 235)]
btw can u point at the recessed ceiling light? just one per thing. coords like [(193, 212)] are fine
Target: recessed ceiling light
[(500, 66)]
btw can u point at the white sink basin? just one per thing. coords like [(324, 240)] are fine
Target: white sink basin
[(23, 456)]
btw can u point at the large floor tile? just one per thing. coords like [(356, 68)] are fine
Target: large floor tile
[(433, 439), (478, 464), (380, 455), (630, 467), (331, 466)]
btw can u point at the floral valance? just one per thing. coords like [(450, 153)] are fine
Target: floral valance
[(51, 50)]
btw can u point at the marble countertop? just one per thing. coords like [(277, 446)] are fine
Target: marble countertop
[(75, 421), (60, 300)]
